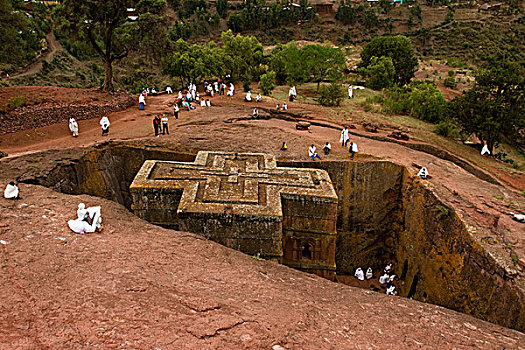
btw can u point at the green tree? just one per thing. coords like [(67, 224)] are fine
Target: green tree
[(380, 73), (332, 94), (100, 21), (20, 36), (426, 102), (267, 83), (322, 62), (243, 54), (222, 8), (345, 13), (399, 49), (191, 63), (385, 5), (495, 107)]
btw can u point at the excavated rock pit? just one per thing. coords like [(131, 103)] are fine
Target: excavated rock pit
[(384, 214)]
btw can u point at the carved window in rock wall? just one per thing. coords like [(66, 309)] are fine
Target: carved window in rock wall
[(297, 249)]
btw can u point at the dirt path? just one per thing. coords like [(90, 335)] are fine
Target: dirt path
[(53, 46)]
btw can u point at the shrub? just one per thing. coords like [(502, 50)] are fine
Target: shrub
[(332, 95), (267, 83), (446, 129), (17, 102), (450, 83)]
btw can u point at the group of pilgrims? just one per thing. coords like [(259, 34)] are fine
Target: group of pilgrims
[(385, 279), (344, 140)]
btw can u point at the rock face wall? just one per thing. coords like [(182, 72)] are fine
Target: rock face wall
[(386, 215), (383, 215), (245, 202)]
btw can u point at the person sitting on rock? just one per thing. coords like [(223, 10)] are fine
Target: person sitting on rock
[(203, 103), (255, 113), (423, 173), (312, 152), (208, 102), (11, 191), (327, 148), (248, 97), (278, 107), (258, 98), (369, 273), (359, 274), (169, 90), (88, 220), (285, 107)]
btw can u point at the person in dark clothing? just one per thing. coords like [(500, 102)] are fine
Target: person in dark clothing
[(156, 125)]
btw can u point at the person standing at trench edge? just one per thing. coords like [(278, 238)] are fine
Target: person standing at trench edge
[(156, 125)]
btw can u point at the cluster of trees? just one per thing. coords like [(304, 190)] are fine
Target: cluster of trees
[(348, 14), (258, 14), (239, 57), (21, 35), (242, 58)]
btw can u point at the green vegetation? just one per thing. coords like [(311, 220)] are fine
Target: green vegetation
[(419, 99), (380, 73), (16, 102), (332, 95), (267, 83), (21, 35), (494, 109), (399, 49), (105, 27)]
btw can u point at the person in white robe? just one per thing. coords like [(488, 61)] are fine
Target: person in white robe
[(11, 191), (255, 113), (193, 95), (518, 217), (344, 137), (350, 91), (353, 149), (258, 98), (104, 123), (359, 274), (423, 173), (84, 215), (485, 150), (203, 103), (208, 102), (73, 127), (153, 91), (312, 152), (179, 95), (369, 273), (142, 99), (285, 107), (384, 278), (387, 268), (169, 90), (248, 97), (391, 290)]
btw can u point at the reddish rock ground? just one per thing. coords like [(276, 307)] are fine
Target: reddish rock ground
[(139, 286)]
